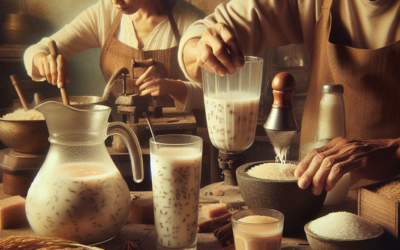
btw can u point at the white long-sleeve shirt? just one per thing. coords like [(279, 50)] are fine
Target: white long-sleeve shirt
[(260, 23), (90, 29)]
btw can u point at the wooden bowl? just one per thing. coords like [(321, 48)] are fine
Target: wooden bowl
[(319, 242), (24, 136), (299, 206)]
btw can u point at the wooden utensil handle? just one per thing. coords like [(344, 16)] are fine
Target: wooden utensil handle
[(15, 81), (283, 86), (53, 48), (54, 52)]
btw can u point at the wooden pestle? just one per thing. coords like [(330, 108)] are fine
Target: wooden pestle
[(54, 52), (15, 82), (283, 86)]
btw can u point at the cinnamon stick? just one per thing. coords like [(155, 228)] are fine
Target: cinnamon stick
[(224, 234), (230, 247), (226, 237), (203, 225), (223, 230)]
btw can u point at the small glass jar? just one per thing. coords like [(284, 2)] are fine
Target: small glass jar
[(331, 116)]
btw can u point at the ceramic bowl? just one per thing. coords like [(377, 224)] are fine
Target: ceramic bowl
[(319, 242), (24, 136), (299, 206)]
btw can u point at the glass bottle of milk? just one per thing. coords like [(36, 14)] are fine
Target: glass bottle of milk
[(331, 117), (332, 124)]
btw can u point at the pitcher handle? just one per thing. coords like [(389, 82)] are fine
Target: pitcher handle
[(132, 142)]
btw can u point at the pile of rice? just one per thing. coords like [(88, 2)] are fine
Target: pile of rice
[(391, 190), (344, 226), (274, 171), (21, 114)]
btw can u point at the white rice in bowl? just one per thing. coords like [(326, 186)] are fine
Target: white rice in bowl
[(274, 171), (21, 114)]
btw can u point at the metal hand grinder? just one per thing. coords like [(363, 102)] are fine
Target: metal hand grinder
[(281, 126)]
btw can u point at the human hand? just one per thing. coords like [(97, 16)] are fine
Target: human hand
[(219, 51), (370, 159), (150, 82), (54, 68)]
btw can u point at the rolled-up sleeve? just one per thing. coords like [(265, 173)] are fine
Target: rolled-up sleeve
[(194, 97), (86, 31), (256, 23)]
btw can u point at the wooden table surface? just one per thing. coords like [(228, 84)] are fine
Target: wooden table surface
[(206, 241)]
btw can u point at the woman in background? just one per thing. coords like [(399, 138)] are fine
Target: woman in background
[(126, 30)]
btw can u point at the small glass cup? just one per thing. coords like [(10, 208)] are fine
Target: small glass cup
[(259, 229), (175, 172)]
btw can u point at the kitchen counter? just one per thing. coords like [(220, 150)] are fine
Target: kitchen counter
[(145, 234)]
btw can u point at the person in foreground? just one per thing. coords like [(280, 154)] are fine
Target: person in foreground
[(353, 43), (126, 30)]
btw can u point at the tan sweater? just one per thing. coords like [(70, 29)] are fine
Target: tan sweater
[(261, 23)]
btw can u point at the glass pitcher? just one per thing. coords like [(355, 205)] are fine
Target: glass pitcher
[(79, 194), (232, 104)]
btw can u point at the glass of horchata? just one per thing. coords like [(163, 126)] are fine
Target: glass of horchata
[(259, 229), (175, 172)]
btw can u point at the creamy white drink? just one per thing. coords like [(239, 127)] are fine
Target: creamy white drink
[(87, 203), (176, 184), (232, 120)]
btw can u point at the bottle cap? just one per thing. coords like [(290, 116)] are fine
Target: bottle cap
[(332, 88)]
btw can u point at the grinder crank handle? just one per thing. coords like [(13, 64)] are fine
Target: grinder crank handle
[(283, 86), (110, 83), (54, 52)]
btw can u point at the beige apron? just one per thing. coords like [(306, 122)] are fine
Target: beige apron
[(115, 55), (371, 80)]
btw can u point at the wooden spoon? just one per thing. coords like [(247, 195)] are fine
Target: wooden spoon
[(54, 52), (15, 82)]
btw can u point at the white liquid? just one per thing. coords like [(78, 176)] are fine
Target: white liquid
[(339, 192), (331, 119), (80, 202), (232, 121), (176, 186)]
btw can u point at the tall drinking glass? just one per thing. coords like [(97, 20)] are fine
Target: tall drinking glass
[(232, 104), (175, 172)]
